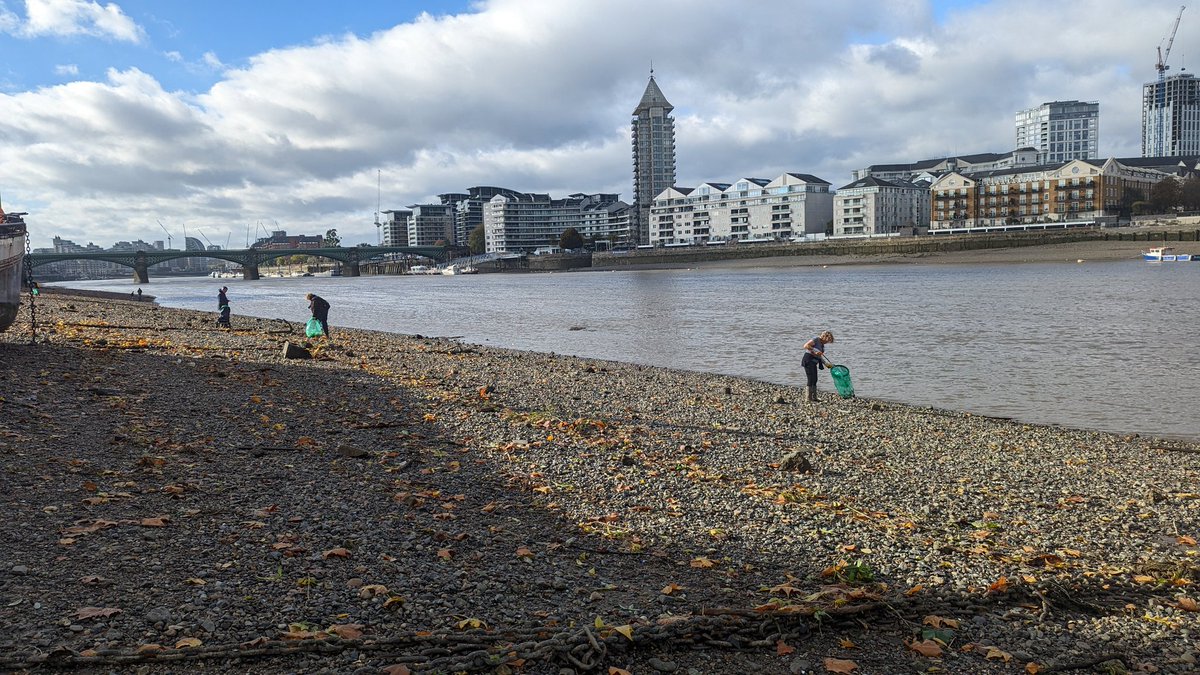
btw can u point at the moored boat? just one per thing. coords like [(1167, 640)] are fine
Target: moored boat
[(1167, 254), (12, 258)]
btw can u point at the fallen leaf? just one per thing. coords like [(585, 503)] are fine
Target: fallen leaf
[(782, 648), (1032, 668), (1186, 540), (1188, 605), (188, 642), (702, 563), (937, 621), (1000, 586), (994, 653), (445, 553), (927, 648), (523, 552), (1143, 579), (398, 669), (347, 631), (844, 666), (93, 612), (847, 643), (149, 649), (613, 670), (157, 521), (626, 630), (336, 553), (671, 588), (195, 581)]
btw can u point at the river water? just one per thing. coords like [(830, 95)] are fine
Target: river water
[(1100, 345)]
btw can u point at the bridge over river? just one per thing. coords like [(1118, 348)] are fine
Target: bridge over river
[(249, 259)]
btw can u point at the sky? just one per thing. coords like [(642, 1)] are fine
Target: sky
[(135, 119)]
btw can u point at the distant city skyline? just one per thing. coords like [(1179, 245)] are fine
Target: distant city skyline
[(222, 115)]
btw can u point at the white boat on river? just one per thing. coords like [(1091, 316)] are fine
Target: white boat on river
[(1167, 254)]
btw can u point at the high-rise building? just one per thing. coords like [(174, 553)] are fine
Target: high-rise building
[(395, 227), (1060, 130), (431, 225), (653, 154), (1171, 117), (523, 223)]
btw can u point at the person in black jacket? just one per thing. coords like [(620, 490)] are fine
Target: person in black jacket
[(320, 311), (223, 307)]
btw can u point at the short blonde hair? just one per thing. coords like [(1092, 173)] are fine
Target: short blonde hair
[(826, 337), (308, 297)]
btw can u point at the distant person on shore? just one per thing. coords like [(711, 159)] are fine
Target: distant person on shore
[(139, 295), (814, 358), (223, 307), (320, 311)]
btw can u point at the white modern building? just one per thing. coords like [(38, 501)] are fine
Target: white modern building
[(748, 209), (523, 223), (1171, 117), (1060, 130), (873, 206)]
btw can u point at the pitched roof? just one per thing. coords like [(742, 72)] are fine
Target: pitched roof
[(808, 178), (872, 181), (652, 98)]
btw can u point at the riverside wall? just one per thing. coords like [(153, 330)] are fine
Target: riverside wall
[(885, 247)]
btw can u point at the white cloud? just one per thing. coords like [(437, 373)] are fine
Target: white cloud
[(79, 17), (66, 69), (536, 95)]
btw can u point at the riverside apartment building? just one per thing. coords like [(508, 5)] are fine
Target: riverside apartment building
[(1072, 191), (792, 204)]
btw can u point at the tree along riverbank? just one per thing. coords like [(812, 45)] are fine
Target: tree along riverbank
[(176, 490)]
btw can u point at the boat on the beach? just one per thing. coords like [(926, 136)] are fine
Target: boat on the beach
[(1167, 254), (12, 257)]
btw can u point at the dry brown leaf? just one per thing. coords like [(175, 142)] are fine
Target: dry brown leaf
[(186, 643), (1143, 579), (1000, 586), (613, 670), (671, 588), (1188, 605), (995, 653), (524, 552), (445, 553), (844, 666), (927, 648), (847, 643), (398, 669), (702, 563), (149, 649), (1033, 668), (1186, 540), (782, 648), (336, 553), (156, 521), (347, 631), (93, 612)]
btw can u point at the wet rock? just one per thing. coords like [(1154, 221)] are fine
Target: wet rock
[(352, 451), (795, 461)]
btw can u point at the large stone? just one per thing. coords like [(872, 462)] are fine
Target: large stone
[(795, 461), (291, 351)]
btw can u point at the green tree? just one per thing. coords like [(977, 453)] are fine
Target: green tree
[(1165, 195), (475, 240), (570, 239), (332, 240), (1189, 194)]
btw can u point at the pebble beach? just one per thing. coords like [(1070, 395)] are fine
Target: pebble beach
[(183, 498)]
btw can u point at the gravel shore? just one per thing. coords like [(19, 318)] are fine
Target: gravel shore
[(181, 498)]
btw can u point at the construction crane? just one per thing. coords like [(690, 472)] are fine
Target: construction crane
[(378, 204), (1164, 55), (1160, 102), (164, 229)]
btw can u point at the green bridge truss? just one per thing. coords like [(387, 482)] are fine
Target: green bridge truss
[(250, 259)]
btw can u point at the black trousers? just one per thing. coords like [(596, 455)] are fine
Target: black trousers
[(323, 317), (809, 362)]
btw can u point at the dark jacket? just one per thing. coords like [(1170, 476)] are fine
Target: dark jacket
[(222, 299), (318, 305)]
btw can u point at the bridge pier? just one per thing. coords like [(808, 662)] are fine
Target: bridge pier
[(250, 273), (141, 271), (351, 269)]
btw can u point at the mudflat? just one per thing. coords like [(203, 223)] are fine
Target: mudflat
[(179, 497)]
